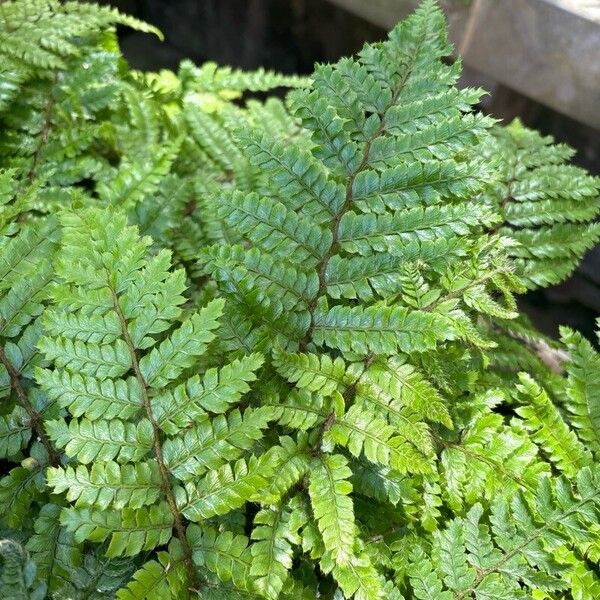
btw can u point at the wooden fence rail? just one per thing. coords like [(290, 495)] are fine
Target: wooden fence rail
[(549, 50)]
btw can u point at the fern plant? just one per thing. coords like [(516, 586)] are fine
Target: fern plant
[(272, 350), (131, 407)]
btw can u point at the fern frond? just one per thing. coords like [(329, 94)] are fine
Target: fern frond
[(377, 330), (215, 393), (223, 553), (403, 382), (228, 487), (583, 388), (549, 429), (160, 578), (272, 552), (359, 579), (102, 440), (549, 207), (211, 444), (53, 549), (45, 41), (17, 573), (15, 432), (275, 228), (179, 350), (381, 443), (312, 372), (90, 397), (212, 78), (329, 490), (368, 233), (506, 555), (130, 530), (266, 349), (108, 484), (296, 175)]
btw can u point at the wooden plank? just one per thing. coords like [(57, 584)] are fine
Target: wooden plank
[(548, 50)]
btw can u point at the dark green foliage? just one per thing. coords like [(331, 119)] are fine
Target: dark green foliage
[(548, 206)]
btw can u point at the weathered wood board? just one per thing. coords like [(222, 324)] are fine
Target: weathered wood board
[(549, 50)]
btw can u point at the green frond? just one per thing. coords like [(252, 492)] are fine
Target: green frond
[(43, 42), (583, 388), (365, 277), (158, 579), (17, 573), (301, 410), (213, 138), (223, 553), (548, 206), (507, 555), (90, 397), (15, 432), (490, 459), (135, 181), (425, 582), (53, 549), (368, 233), (25, 273), (271, 551), (20, 488), (130, 530), (377, 330), (212, 443), (416, 184), (359, 579), (329, 490), (98, 576), (225, 80), (549, 430), (182, 348), (293, 465), (102, 440), (215, 392), (95, 360), (228, 487), (296, 175), (385, 445), (406, 385), (333, 145), (380, 483), (262, 348), (276, 287), (108, 484), (274, 228), (312, 372)]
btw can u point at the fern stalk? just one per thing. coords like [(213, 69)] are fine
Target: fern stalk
[(45, 130), (35, 418), (335, 224), (157, 444)]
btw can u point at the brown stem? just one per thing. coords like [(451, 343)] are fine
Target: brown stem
[(44, 132), (553, 358), (34, 417), (470, 28), (156, 443)]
